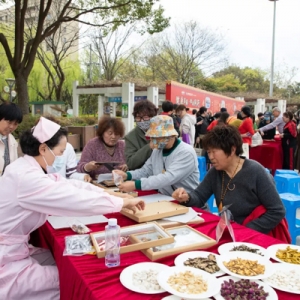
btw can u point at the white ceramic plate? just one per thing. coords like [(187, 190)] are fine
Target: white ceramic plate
[(274, 248), (172, 297), (272, 294), (226, 257), (127, 273), (213, 285), (180, 259), (289, 271), (229, 246)]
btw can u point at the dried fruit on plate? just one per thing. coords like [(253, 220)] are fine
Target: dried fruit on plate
[(245, 267), (289, 255)]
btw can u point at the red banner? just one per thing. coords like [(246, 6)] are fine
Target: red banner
[(195, 98)]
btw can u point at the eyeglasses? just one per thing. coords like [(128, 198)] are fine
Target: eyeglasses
[(144, 118)]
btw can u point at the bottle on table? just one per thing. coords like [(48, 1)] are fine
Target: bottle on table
[(112, 243)]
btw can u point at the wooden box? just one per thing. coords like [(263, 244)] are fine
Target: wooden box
[(141, 236), (169, 224), (186, 239), (156, 210), (113, 189)]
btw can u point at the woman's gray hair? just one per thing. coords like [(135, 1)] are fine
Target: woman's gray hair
[(276, 109)]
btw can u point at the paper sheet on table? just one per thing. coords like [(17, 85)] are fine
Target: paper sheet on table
[(63, 222), (156, 198), (102, 177), (184, 218)]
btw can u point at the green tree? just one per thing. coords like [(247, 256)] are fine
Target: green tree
[(113, 13)]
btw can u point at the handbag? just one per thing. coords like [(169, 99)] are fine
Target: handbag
[(186, 138), (198, 149)]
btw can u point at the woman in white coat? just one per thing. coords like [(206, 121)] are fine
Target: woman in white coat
[(28, 195)]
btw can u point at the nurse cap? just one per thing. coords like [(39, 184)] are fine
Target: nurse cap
[(44, 130)]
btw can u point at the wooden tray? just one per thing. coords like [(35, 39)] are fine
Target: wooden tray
[(141, 236), (155, 211), (197, 240)]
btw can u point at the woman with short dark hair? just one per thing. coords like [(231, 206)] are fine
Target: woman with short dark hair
[(241, 183), (10, 117), (106, 147), (137, 148), (28, 195)]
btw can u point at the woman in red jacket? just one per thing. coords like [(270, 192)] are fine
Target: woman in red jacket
[(246, 128), (288, 141)]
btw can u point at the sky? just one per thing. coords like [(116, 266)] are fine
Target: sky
[(247, 26)]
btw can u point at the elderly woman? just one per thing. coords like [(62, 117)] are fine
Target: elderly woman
[(28, 195), (288, 140), (234, 180), (106, 147), (137, 149), (172, 163), (246, 128)]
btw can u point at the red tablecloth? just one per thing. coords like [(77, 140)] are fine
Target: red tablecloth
[(269, 154), (87, 277)]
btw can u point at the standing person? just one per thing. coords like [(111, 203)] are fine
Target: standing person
[(106, 147), (137, 148), (267, 119), (172, 163), (246, 128), (289, 141), (201, 125), (168, 108), (278, 122), (260, 117), (187, 125), (214, 123), (28, 196), (238, 121), (10, 117), (223, 120)]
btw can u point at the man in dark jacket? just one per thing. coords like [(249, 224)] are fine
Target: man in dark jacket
[(201, 125)]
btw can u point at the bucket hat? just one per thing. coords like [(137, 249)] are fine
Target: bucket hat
[(161, 126)]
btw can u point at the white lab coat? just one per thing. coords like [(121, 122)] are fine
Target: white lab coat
[(13, 151), (27, 197)]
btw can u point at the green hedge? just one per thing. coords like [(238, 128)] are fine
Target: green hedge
[(29, 121)]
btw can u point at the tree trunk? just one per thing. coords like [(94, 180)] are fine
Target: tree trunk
[(22, 89)]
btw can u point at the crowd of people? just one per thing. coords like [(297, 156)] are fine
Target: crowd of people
[(158, 154)]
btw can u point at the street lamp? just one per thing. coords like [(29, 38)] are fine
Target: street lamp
[(10, 82), (273, 47)]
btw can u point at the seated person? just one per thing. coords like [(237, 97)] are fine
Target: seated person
[(243, 183), (269, 134), (28, 196), (106, 147), (172, 163), (137, 149), (10, 117)]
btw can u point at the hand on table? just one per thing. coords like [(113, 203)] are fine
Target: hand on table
[(180, 195), (91, 166), (87, 178), (281, 135), (261, 133), (134, 204), (127, 186)]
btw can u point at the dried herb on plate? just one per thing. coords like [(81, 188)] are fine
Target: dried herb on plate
[(242, 289)]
